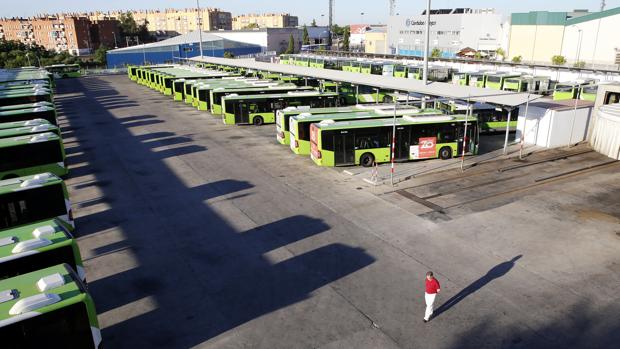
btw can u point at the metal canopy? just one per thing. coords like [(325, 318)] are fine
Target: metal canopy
[(435, 89)]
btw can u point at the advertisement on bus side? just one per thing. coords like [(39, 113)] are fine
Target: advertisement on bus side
[(425, 149)]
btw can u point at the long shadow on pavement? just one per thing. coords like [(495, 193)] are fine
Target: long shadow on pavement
[(195, 275)]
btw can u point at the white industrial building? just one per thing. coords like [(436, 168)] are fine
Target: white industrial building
[(450, 31)]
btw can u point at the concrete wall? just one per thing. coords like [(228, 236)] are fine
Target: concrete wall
[(273, 39), (599, 41), (535, 43), (376, 42)]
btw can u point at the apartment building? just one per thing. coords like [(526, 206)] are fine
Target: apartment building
[(269, 20), (175, 21), (75, 34)]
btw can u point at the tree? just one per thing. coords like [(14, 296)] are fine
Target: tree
[(127, 25), (436, 53), (100, 55), (579, 64), (478, 55), (313, 24), (558, 60), (501, 53), (306, 36), (517, 59), (228, 54), (291, 45), (346, 38), (251, 26)]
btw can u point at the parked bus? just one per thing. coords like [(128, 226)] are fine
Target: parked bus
[(36, 246), (24, 97), (13, 88), (496, 80), (588, 93), (48, 308), (400, 71), (259, 109), (352, 66), (460, 78), (284, 115), (63, 71), (571, 89), (299, 125), (365, 142), (217, 94), (32, 154), (29, 199), (7, 131), (489, 118), (527, 83), (477, 79), (28, 123), (28, 112), (203, 91)]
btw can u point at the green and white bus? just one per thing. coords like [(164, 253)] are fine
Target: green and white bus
[(7, 131), (27, 123), (63, 71), (284, 115), (203, 91), (217, 93), (26, 106), (400, 71), (29, 199), (460, 78), (24, 97), (496, 80), (527, 83), (299, 125), (32, 154), (588, 93), (571, 89), (28, 112), (368, 141), (36, 246), (489, 118), (477, 79), (260, 109), (352, 66), (49, 307)]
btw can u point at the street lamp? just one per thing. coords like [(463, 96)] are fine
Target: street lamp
[(580, 37)]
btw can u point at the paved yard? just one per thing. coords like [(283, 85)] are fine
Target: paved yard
[(197, 234)]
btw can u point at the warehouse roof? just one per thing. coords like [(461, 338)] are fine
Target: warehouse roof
[(189, 38), (437, 89)]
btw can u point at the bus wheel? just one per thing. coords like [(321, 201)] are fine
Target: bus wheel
[(387, 99), (342, 101), (445, 153), (258, 120), (367, 159)]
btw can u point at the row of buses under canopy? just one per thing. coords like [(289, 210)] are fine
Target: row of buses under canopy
[(43, 297), (584, 89), (315, 122)]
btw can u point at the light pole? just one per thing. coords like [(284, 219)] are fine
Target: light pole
[(28, 58), (115, 45), (428, 36), (199, 27), (579, 37)]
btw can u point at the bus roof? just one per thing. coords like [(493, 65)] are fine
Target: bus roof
[(28, 139), (503, 74), (28, 182), (26, 93), (27, 130), (407, 120), (39, 236), (27, 106), (252, 88), (41, 109), (576, 82), (30, 123), (290, 94), (55, 287), (307, 117)]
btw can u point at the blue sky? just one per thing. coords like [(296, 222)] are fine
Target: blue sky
[(347, 11)]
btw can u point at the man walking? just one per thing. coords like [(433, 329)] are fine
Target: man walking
[(432, 288)]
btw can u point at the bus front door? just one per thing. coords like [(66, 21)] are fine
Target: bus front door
[(242, 113), (344, 151), (403, 144)]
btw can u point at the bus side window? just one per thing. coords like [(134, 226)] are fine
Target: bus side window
[(612, 98), (446, 134)]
